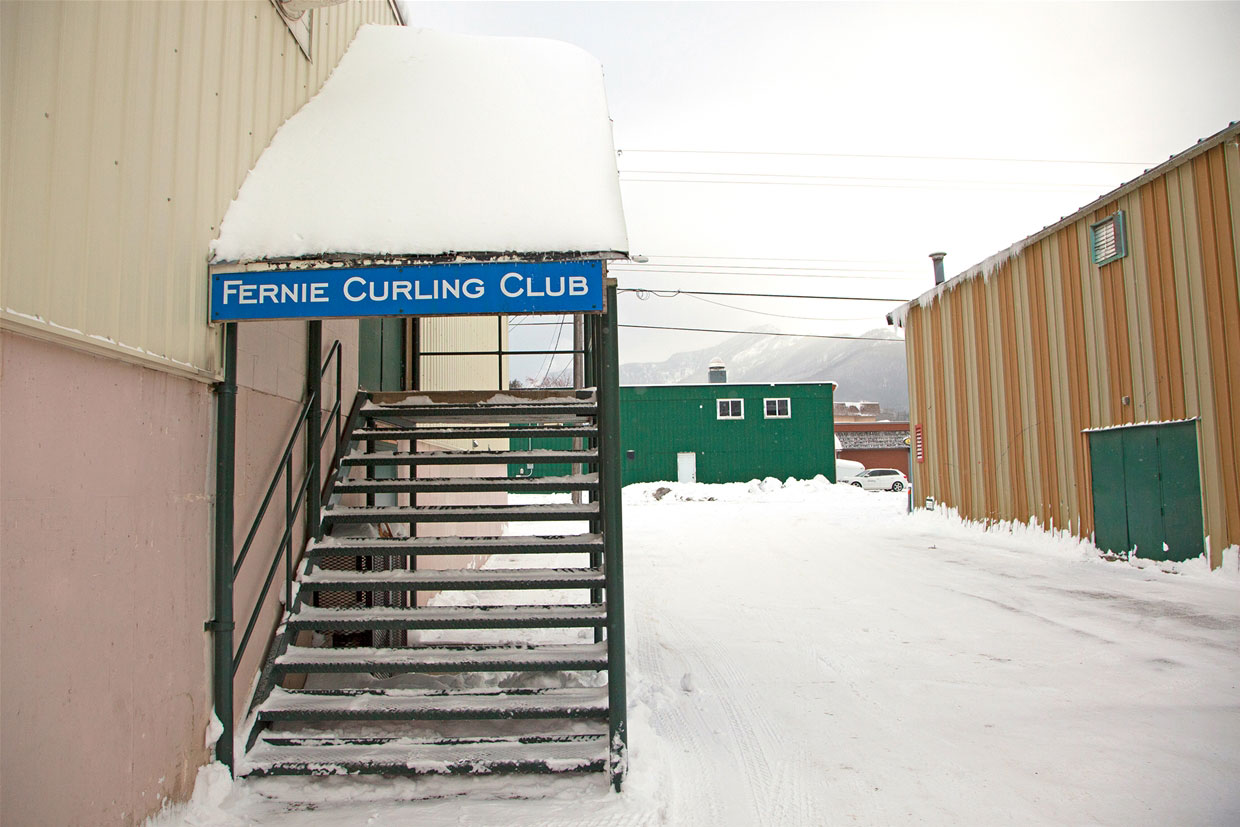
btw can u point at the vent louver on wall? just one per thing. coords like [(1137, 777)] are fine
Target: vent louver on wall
[(1106, 239)]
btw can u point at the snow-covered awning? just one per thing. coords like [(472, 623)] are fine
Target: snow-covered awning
[(423, 144)]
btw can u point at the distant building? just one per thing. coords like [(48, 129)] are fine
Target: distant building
[(874, 444), (857, 411), (727, 433)]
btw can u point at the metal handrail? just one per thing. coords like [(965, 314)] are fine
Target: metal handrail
[(293, 503)]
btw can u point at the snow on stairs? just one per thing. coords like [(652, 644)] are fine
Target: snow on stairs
[(446, 689)]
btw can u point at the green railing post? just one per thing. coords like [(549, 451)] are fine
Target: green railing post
[(314, 427), (225, 470), (613, 536)]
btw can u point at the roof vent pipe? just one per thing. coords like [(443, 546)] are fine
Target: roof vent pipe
[(938, 267)]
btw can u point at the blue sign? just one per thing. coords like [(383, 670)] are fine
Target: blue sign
[(490, 288)]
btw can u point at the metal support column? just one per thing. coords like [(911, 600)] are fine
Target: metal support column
[(613, 536), (314, 427), (225, 470)]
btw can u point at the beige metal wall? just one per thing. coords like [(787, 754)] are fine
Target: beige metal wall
[(463, 335), (1007, 370), (127, 128)]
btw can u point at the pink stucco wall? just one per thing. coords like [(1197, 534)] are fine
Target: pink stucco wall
[(105, 525), (106, 493)]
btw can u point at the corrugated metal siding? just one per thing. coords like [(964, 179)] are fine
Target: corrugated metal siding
[(1006, 372), (463, 335), (128, 128), (658, 422)]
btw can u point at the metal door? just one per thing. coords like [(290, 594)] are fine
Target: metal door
[(1183, 528), (1106, 453), (380, 347), (686, 467), (1143, 492), (1147, 491)]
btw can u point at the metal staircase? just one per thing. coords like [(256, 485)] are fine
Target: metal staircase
[(521, 669)]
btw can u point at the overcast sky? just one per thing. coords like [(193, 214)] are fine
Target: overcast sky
[(753, 134)]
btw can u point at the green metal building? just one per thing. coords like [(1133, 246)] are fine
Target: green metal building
[(727, 432), (716, 433)]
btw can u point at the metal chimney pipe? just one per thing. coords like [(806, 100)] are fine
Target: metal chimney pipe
[(939, 278)]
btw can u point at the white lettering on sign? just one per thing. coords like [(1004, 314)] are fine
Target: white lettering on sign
[(236, 291), (394, 291), (540, 288), (503, 285), (348, 294)]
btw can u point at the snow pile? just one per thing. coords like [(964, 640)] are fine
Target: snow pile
[(425, 143), (212, 786)]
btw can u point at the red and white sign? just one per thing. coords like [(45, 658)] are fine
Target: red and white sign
[(919, 440)]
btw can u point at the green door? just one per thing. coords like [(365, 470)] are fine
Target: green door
[(1147, 491), (1183, 528), (1143, 492), (380, 346), (1106, 452)]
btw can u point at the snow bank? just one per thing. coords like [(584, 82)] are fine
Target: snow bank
[(425, 143), (212, 786)]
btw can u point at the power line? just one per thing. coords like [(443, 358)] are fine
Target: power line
[(664, 294), (780, 315), (762, 333), (801, 176), (944, 185), (773, 258), (637, 267), (764, 275), (885, 157)]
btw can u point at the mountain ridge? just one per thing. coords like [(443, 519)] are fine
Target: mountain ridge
[(869, 367)]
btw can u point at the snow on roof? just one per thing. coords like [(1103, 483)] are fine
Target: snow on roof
[(423, 143), (985, 269)]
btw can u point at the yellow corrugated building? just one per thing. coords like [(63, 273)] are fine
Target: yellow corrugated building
[(1065, 380)]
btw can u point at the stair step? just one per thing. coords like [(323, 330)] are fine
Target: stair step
[(452, 579), (421, 705), (458, 513), (434, 659), (536, 456), (582, 615), (476, 432), (364, 547), (326, 755), (572, 482)]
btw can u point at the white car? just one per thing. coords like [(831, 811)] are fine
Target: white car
[(880, 479)]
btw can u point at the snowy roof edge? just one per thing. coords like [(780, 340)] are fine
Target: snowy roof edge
[(985, 268), (725, 385), (1145, 424), (328, 261)]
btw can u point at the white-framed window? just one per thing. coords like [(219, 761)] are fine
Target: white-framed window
[(729, 408), (777, 408)]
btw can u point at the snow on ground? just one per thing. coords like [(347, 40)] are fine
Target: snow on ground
[(809, 654)]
